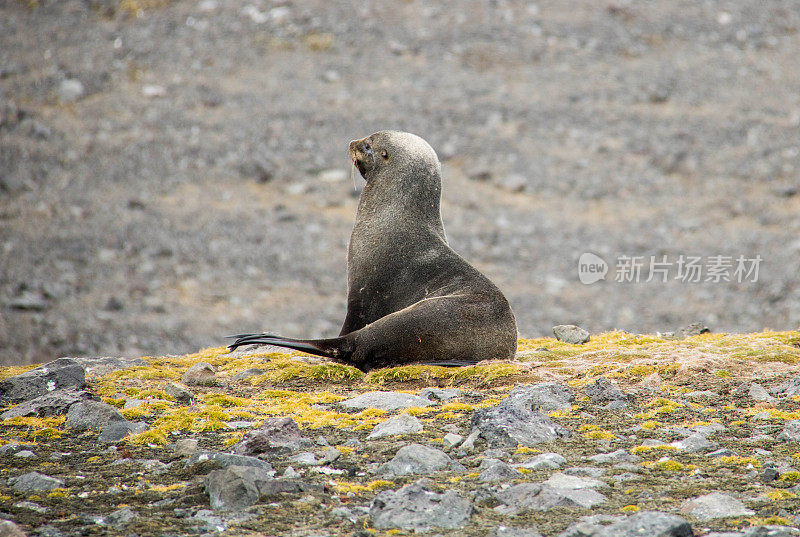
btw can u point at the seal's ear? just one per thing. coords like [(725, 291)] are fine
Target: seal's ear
[(385, 154)]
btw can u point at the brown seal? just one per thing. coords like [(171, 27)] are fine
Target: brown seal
[(411, 298)]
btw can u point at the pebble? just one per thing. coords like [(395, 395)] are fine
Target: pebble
[(275, 436), (415, 507), (451, 440), (695, 443), (791, 432), (644, 523), (185, 447), (9, 529), (200, 374), (545, 396), (542, 497), (569, 333), (418, 459), (544, 461), (385, 401), (715, 505), (511, 422), (398, 425), (497, 470), (70, 90), (441, 394), (34, 481), (55, 375)]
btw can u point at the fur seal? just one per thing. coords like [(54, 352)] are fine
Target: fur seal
[(410, 298)]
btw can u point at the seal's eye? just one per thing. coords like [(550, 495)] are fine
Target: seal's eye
[(385, 154)]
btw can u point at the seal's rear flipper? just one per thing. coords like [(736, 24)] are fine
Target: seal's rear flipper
[(319, 347)]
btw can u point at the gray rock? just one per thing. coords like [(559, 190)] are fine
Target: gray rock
[(247, 373), (695, 443), (70, 90), (770, 531), (649, 523), (121, 517), (31, 506), (235, 487), (702, 394), (545, 396), (276, 435), (497, 470), (29, 300), (291, 473), (694, 329), (33, 481), (512, 422), (560, 480), (507, 531), (541, 497), (513, 182), (451, 440), (226, 460), (754, 391), (330, 455), (603, 392), (584, 471), (211, 524), (185, 447), (92, 415), (386, 401), (11, 447), (99, 366), (614, 457), (418, 459), (9, 529), (180, 393), (569, 333), (117, 430), (722, 452), (49, 404), (416, 507), (24, 454), (305, 459), (787, 389), (441, 394), (791, 432), (715, 505), (706, 430), (343, 512), (544, 461), (154, 466), (401, 424), (58, 374), (588, 526), (200, 374)]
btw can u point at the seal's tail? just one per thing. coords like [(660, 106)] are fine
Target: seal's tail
[(320, 347)]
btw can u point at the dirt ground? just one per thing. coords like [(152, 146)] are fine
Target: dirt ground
[(173, 172)]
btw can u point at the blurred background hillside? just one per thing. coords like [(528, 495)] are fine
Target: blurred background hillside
[(175, 171)]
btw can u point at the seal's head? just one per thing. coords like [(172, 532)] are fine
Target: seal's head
[(401, 152)]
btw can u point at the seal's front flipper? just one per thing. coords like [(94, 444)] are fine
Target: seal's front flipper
[(450, 363)]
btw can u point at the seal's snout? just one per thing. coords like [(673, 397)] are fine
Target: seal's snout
[(362, 154)]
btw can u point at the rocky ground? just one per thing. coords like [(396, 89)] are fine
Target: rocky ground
[(624, 435), (175, 171)]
